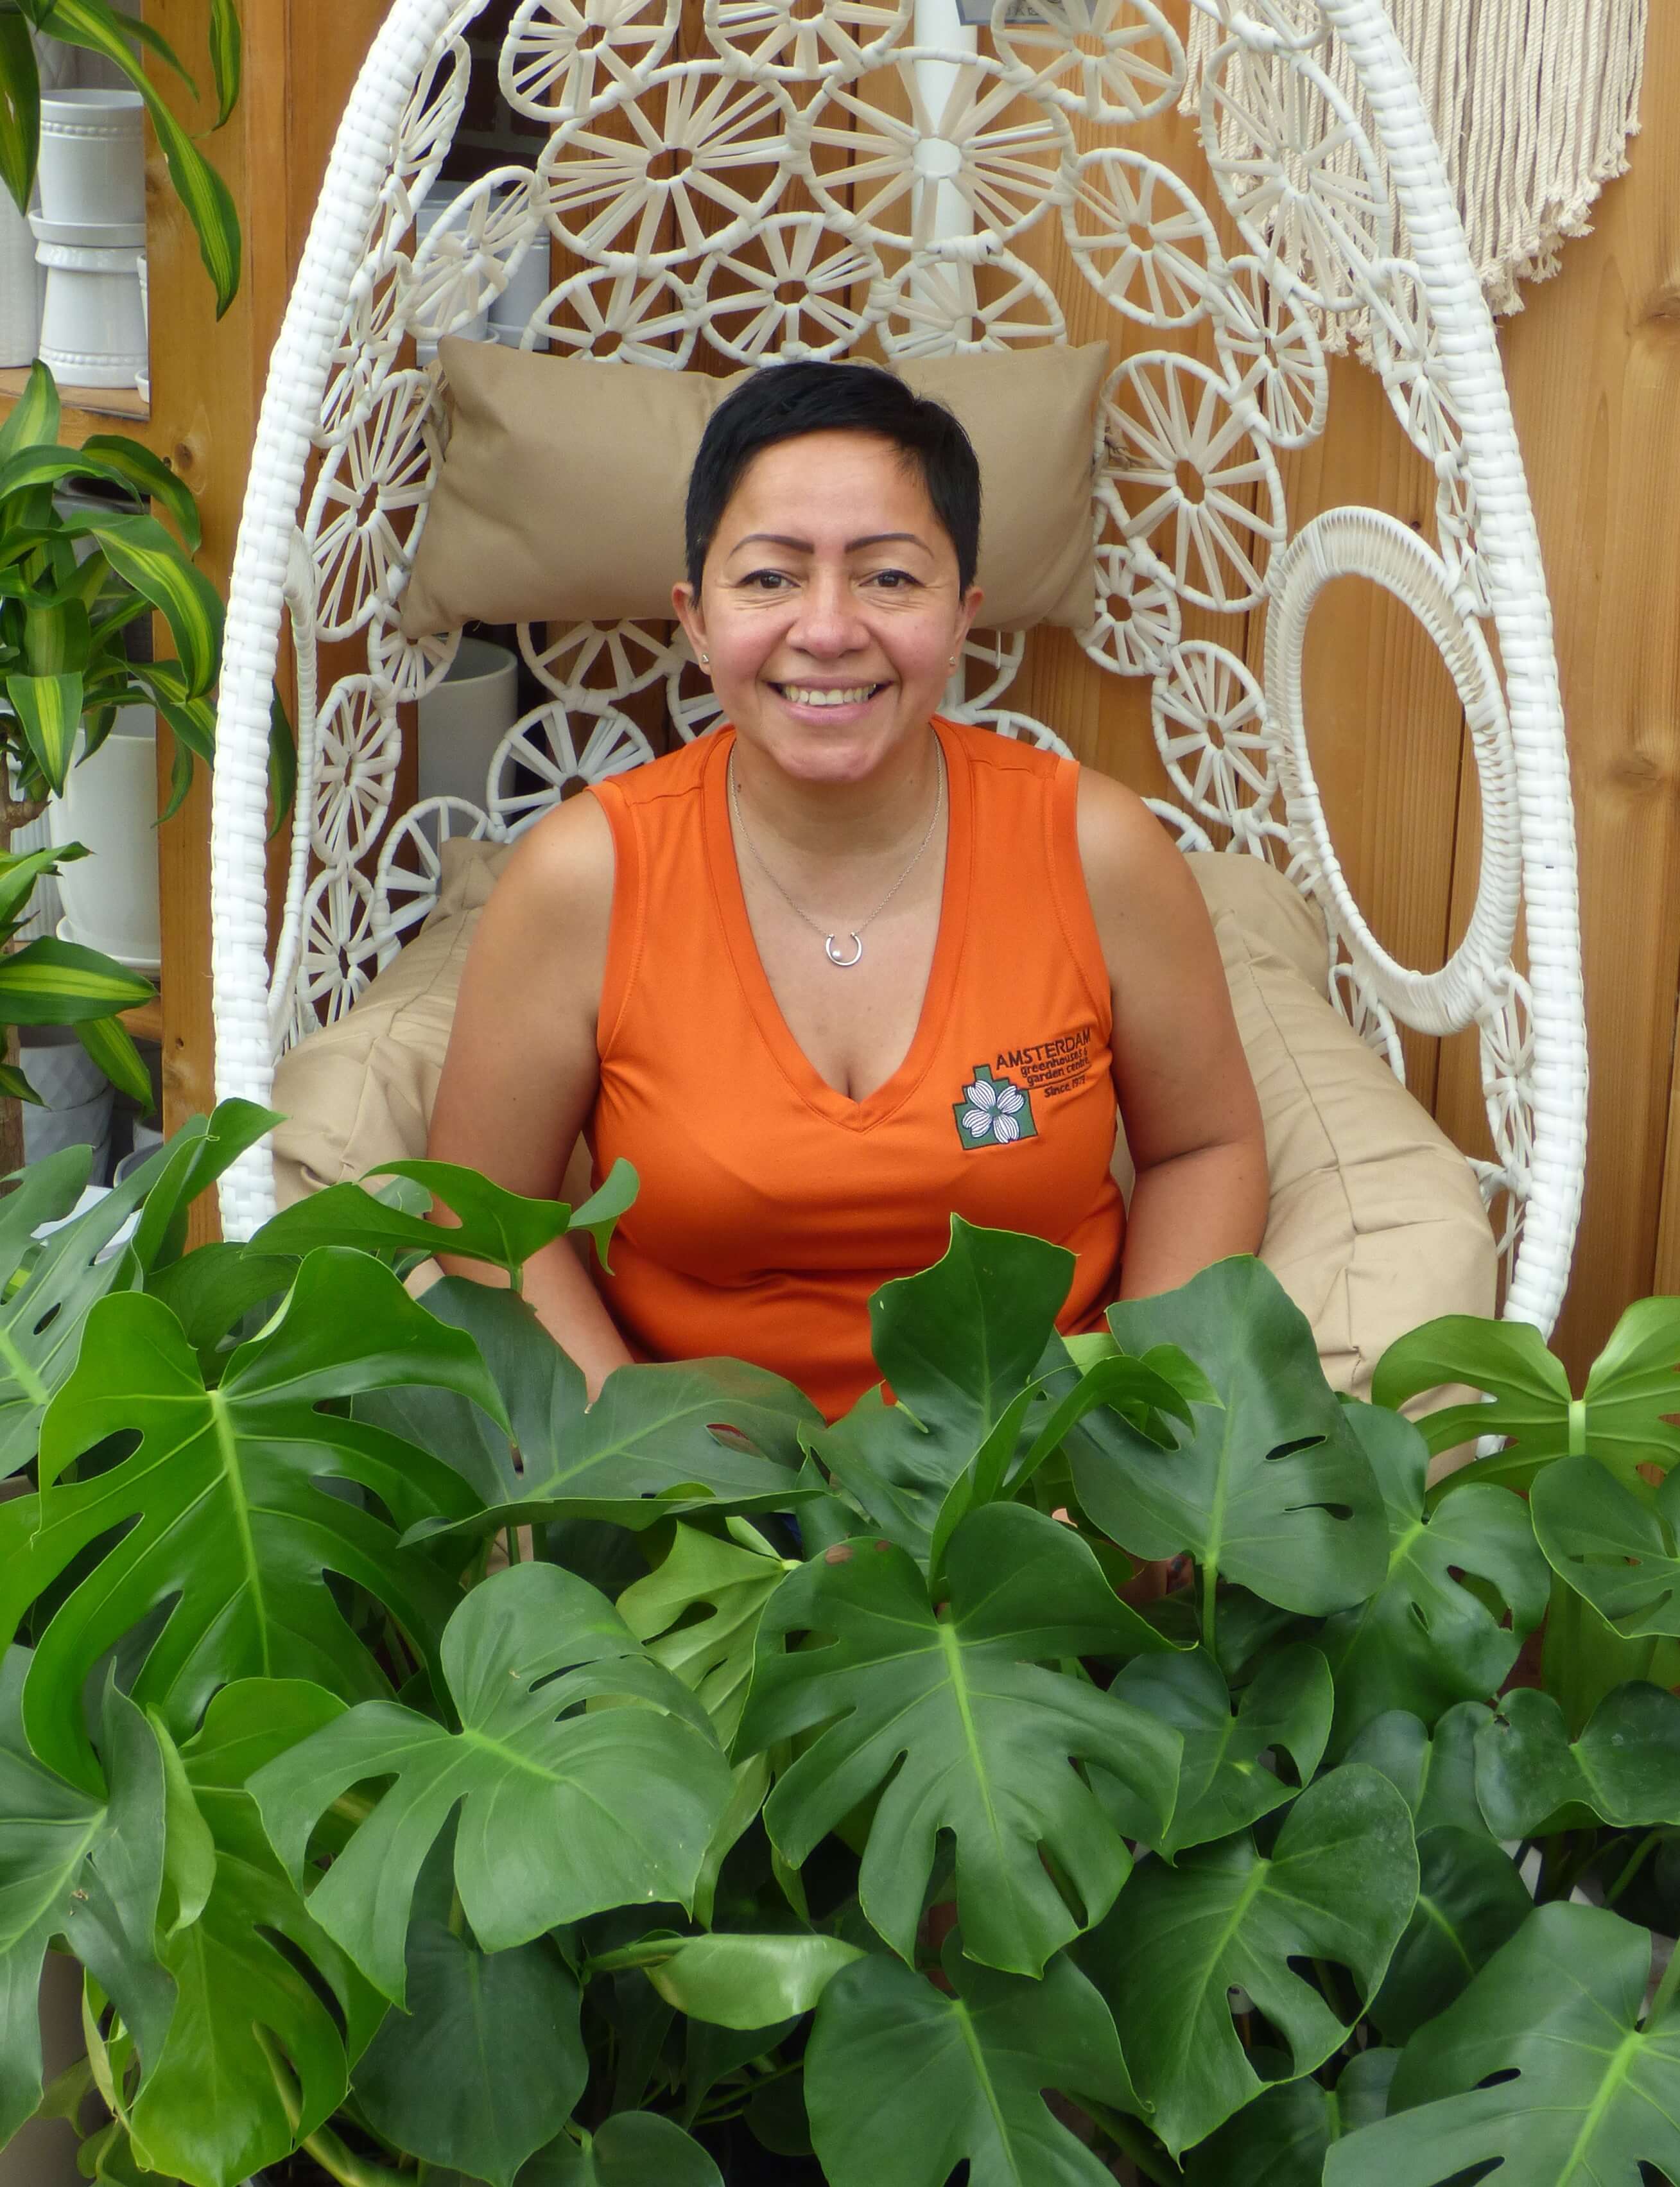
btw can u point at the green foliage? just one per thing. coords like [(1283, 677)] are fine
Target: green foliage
[(802, 1780), (121, 37)]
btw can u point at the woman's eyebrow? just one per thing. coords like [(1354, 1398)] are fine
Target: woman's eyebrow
[(809, 546)]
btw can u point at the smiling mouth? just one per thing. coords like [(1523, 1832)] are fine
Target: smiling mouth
[(819, 695)]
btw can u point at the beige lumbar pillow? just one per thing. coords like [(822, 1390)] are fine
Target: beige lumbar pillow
[(560, 497), (1376, 1225)]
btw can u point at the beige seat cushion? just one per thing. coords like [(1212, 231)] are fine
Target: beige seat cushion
[(534, 440), (1376, 1224)]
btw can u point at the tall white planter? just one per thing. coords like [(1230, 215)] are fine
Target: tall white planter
[(19, 287), (93, 159), (464, 720), (93, 320), (109, 805)]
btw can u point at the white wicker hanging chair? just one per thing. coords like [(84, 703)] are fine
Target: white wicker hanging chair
[(918, 161)]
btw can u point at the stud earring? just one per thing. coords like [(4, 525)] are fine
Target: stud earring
[(953, 661), (705, 661)]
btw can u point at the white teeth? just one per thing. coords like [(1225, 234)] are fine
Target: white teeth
[(802, 696)]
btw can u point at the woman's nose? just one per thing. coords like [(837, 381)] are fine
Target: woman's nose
[(828, 624)]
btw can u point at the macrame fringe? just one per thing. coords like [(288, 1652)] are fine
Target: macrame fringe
[(1533, 102)]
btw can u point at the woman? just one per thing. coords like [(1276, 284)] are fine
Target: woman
[(832, 973)]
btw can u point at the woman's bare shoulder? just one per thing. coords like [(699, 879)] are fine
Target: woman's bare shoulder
[(559, 881), (1136, 876)]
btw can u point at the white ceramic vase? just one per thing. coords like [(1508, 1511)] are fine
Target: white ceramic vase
[(93, 159), (19, 287), (93, 322), (109, 805), (76, 1099), (464, 720)]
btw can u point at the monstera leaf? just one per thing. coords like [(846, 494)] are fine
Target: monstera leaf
[(1424, 1641), (633, 2149), (946, 1708), (89, 1869), (1340, 1884), (1281, 2139), (730, 1582), (748, 1983), (1623, 1417), (1223, 1784), (1578, 2090), (492, 1224), (631, 1793), (225, 1506), (485, 2066), (1624, 1768), (1470, 1900), (658, 1442), (1272, 1488), (1616, 1546), (43, 1315), (903, 2083), (252, 1972), (1434, 1772)]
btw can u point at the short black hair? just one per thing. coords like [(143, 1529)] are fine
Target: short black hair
[(780, 402)]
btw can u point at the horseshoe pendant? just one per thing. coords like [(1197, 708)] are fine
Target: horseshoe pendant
[(834, 956)]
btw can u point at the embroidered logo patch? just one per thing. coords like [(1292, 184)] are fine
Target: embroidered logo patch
[(993, 1112)]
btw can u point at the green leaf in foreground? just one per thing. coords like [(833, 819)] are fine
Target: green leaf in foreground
[(744, 1981), (1282, 2138), (1582, 2093), (631, 1793), (1224, 1784), (731, 1582), (1617, 1546), (253, 1974), (633, 2149), (1424, 1641), (1270, 1488), (224, 1509), (1433, 1772), (1470, 1900), (1341, 1884), (660, 1441), (902, 2083), (949, 1710), (89, 1869), (486, 2065), (1624, 1768)]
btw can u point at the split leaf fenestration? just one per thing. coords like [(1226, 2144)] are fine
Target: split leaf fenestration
[(1435, 1772), (946, 1709), (227, 1509), (632, 1792), (903, 2083), (1339, 1885), (1578, 2090), (1272, 1488), (1617, 1546), (1532, 1779), (633, 2149)]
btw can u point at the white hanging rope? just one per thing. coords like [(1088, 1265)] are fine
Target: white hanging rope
[(1532, 102)]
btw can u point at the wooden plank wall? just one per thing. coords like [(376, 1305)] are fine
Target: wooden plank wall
[(1595, 367)]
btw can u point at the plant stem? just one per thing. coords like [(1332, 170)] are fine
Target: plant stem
[(324, 2145), (1641, 1853), (1153, 2163), (1670, 1975), (1210, 1609)]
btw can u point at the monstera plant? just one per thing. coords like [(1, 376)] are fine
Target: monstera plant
[(437, 1779)]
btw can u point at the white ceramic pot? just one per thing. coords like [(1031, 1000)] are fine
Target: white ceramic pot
[(522, 298), (42, 2152), (464, 720), (110, 805), (93, 157), (19, 287), (93, 322)]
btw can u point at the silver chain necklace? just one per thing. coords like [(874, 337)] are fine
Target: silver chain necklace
[(854, 933)]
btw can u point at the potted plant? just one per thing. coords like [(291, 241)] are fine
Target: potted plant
[(72, 579), (468, 1783)]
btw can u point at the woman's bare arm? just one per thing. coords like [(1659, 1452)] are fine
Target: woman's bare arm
[(1192, 1117), (519, 1078)]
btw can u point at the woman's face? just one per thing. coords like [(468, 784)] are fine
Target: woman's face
[(830, 605)]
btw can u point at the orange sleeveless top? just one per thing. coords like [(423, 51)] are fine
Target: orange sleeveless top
[(772, 1206)]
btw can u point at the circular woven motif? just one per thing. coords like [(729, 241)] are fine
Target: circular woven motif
[(1271, 350), (804, 44), (548, 754), (898, 160), (339, 949), (427, 129), (1138, 618), (590, 664), (790, 290), (411, 866), (657, 180), (560, 60), (947, 306), (370, 503), (466, 260), (356, 772), (1141, 238), (1109, 61), (1193, 478), (619, 315), (1295, 167), (1210, 724)]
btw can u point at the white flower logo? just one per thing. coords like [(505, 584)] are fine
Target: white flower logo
[(993, 1112)]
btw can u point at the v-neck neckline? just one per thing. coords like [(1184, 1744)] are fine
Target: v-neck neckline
[(801, 1074)]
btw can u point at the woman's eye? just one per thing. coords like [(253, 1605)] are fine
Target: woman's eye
[(765, 581), (894, 581)]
